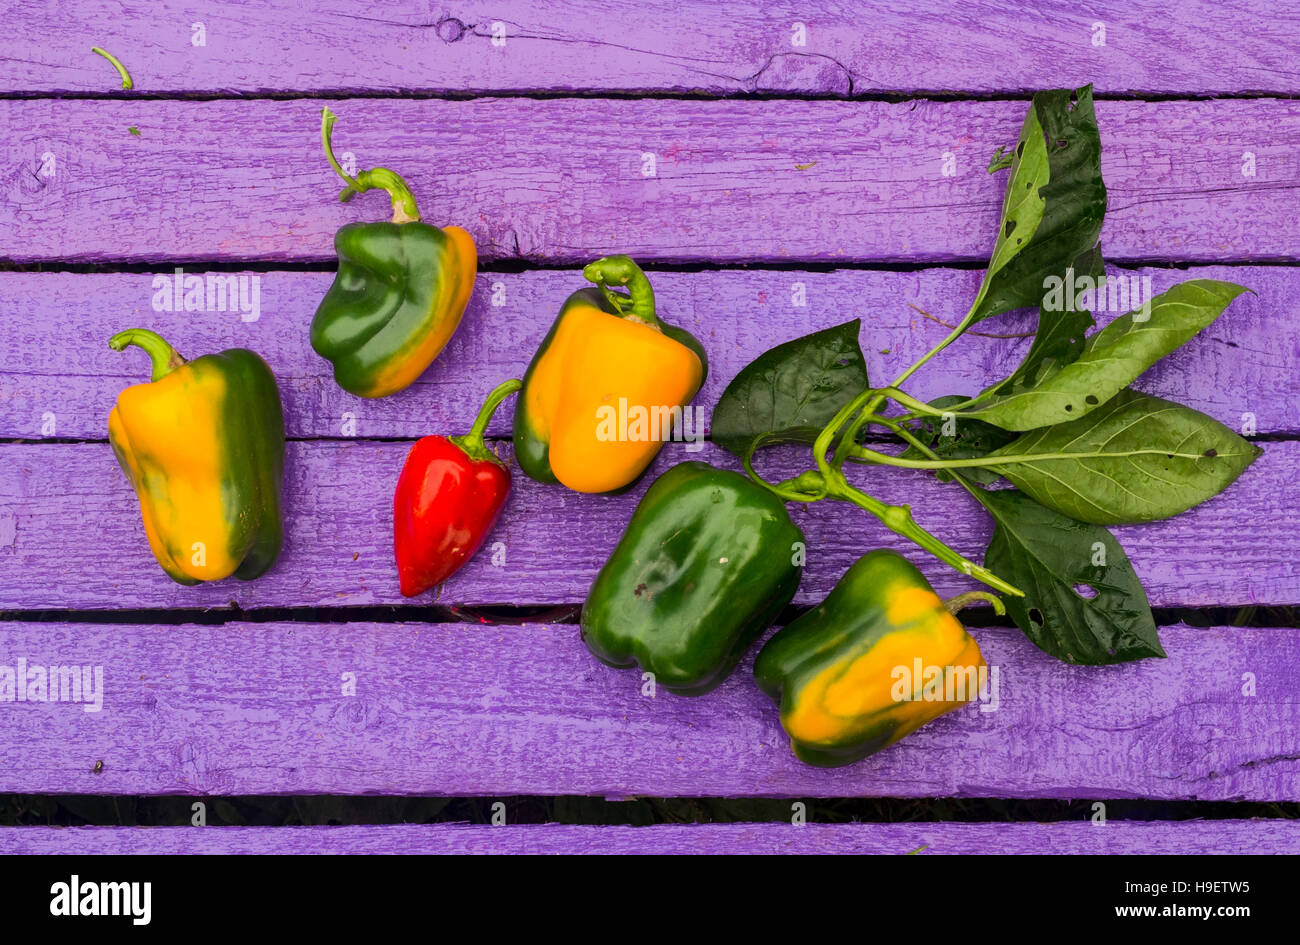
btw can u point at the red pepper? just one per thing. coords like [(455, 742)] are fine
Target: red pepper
[(450, 493)]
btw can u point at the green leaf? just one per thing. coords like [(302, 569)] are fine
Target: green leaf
[(1059, 339), (1057, 562), (957, 437), (1110, 360), (787, 394), (1136, 458), (1022, 203), (1074, 198)]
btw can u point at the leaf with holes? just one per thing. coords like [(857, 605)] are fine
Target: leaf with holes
[(1022, 202), (1136, 458), (787, 394), (952, 436), (1059, 339), (1110, 360), (1083, 601), (1063, 174)]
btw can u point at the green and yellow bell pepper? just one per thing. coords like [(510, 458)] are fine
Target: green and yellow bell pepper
[(203, 446), (400, 293), (877, 659)]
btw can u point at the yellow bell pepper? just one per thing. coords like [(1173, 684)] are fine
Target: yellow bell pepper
[(607, 387)]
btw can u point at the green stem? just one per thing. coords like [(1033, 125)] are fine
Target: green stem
[(164, 357), (639, 302), (830, 482), (873, 405), (127, 84), (831, 430), (952, 336), (800, 488), (377, 178), (918, 407), (898, 519), (895, 424), (472, 442), (955, 604), (844, 447), (909, 437), (869, 455)]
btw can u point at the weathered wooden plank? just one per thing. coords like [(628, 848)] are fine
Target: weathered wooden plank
[(718, 48), (58, 377), (70, 535), (733, 180), (1117, 837), (467, 709)]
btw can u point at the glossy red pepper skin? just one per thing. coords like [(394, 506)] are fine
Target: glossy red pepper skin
[(448, 498), (445, 505)]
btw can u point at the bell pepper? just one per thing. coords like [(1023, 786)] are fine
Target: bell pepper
[(203, 446), (400, 292), (876, 660), (707, 562), (449, 496), (601, 392)]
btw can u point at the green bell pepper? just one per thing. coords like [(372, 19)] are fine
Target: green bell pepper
[(707, 562), (400, 293), (877, 659)]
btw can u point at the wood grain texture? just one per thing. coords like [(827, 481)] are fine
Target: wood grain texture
[(456, 709), (561, 181), (1195, 46), (71, 537), (938, 839), (57, 361), (468, 709)]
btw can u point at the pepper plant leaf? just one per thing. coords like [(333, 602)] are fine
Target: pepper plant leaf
[(1061, 334), (1022, 202), (1136, 458), (788, 393), (1072, 194), (1058, 391), (1083, 600)]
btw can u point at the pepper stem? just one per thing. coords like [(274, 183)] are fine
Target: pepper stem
[(377, 178), (127, 84), (898, 519), (961, 601), (806, 487), (639, 302), (472, 442), (165, 358)]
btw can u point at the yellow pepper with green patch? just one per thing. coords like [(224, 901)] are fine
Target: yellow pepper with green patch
[(876, 660), (203, 446)]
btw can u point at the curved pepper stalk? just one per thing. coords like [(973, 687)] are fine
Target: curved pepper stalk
[(401, 289), (203, 445), (609, 385)]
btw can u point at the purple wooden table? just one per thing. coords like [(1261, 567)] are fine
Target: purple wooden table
[(788, 149)]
